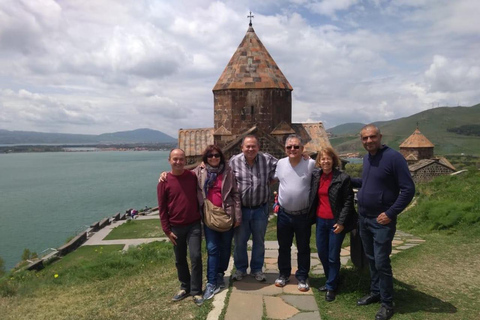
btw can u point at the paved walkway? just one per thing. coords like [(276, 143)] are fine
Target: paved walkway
[(250, 299), (98, 237)]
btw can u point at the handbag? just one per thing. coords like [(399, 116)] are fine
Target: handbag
[(216, 218)]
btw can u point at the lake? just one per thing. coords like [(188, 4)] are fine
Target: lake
[(46, 198)]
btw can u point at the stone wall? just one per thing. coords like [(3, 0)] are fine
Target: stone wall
[(429, 172), (419, 153), (239, 110)]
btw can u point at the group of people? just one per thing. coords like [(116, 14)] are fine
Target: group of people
[(309, 192)]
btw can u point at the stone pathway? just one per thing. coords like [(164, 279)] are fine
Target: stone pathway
[(98, 237), (250, 299)]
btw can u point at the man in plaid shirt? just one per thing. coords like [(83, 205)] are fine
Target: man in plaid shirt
[(254, 171)]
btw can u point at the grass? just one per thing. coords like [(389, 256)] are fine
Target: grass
[(100, 282), (448, 203), (137, 229), (436, 280)]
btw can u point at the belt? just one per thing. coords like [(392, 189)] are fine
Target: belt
[(295, 212), (254, 207)]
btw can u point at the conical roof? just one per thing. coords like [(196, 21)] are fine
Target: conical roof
[(252, 67), (417, 140)]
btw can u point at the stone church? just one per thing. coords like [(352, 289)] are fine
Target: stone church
[(423, 165), (252, 96)]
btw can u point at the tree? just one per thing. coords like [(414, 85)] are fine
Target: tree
[(354, 169), (27, 254), (2, 267)]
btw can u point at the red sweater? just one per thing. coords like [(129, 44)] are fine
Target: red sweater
[(177, 200), (324, 210)]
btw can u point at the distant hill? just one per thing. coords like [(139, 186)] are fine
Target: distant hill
[(351, 128), (134, 136), (139, 135), (439, 125)]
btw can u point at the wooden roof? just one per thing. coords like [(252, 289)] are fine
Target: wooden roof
[(417, 140), (313, 135), (426, 162), (194, 141), (252, 67)]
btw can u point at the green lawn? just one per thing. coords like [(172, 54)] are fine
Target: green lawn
[(100, 282), (137, 229)]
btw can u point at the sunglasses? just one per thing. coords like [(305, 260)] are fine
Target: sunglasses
[(293, 147), (213, 155)]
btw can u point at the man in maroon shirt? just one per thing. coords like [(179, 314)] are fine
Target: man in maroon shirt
[(180, 217)]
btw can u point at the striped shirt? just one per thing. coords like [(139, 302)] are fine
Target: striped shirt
[(254, 182)]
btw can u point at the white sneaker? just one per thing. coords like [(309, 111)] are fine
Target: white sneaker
[(282, 281), (238, 275), (259, 276), (303, 285)]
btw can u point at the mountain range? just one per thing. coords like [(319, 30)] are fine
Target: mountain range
[(453, 130), (133, 136)]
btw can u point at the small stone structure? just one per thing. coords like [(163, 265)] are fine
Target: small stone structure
[(416, 147), (423, 165), (426, 169)]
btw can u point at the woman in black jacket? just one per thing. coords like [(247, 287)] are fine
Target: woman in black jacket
[(331, 197)]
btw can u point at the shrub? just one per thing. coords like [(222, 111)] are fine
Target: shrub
[(2, 267), (354, 169)]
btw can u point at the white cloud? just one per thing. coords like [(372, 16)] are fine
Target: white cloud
[(105, 66), (330, 7), (445, 75)]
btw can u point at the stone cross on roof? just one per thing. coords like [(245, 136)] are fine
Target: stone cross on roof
[(250, 17)]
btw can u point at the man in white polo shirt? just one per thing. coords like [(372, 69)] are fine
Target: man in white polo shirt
[(294, 174)]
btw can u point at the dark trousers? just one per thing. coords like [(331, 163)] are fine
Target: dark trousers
[(189, 236), (288, 226), (329, 245), (377, 243)]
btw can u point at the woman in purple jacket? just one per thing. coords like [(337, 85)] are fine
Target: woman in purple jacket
[(217, 183)]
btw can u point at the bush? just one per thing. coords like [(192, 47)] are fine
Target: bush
[(7, 289), (354, 170), (2, 267), (27, 255)]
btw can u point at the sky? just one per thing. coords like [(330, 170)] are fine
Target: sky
[(92, 67)]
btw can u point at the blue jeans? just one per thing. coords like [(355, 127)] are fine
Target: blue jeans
[(377, 243), (288, 226), (254, 223), (329, 245), (219, 247)]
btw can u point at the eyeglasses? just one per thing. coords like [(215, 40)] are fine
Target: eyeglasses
[(292, 147), (213, 155)]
